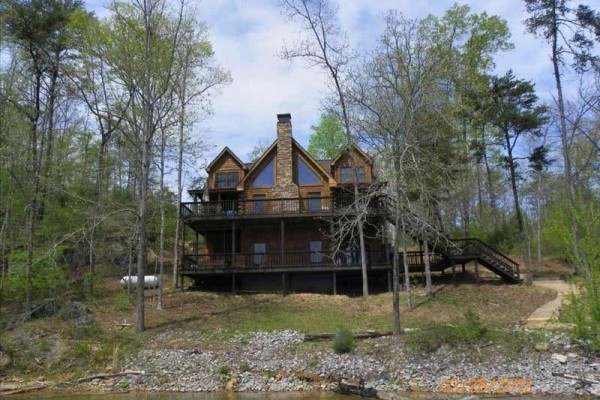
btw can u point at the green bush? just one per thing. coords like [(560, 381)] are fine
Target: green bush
[(122, 301), (47, 277), (245, 368), (224, 370), (343, 341)]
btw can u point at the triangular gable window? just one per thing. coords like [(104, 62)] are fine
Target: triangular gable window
[(266, 177), (305, 175)]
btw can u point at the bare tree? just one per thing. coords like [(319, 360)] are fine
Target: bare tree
[(325, 46)]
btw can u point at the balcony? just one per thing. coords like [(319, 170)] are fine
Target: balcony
[(317, 206)]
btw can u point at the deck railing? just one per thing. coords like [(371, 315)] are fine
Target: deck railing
[(294, 259), (272, 207), (298, 259)]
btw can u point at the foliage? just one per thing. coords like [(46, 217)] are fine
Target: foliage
[(48, 277), (224, 370), (343, 341), (328, 138)]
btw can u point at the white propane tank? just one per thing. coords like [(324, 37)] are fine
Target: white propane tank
[(150, 281)]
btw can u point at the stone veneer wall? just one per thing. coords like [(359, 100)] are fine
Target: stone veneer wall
[(284, 175)]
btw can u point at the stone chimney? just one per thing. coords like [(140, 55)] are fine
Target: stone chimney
[(284, 175)]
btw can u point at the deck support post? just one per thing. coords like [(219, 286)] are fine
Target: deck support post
[(233, 283), (454, 274), (334, 282), (389, 281), (232, 244), (282, 242), (283, 284), (463, 268), (477, 272)]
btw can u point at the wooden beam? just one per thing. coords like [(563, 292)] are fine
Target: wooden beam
[(334, 282), (453, 273), (283, 283)]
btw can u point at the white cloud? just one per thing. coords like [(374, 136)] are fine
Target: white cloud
[(246, 36)]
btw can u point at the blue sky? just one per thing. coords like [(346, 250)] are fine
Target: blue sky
[(246, 35)]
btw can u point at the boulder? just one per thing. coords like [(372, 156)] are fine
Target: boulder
[(542, 346), (78, 313), (561, 358)]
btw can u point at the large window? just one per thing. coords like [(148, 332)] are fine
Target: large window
[(305, 175), (314, 201), (227, 180), (347, 177), (266, 177), (259, 203)]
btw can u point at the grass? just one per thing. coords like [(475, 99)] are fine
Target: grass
[(193, 319)]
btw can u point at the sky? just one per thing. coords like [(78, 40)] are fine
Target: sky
[(247, 34)]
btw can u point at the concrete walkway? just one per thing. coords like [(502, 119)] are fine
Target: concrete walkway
[(543, 316)]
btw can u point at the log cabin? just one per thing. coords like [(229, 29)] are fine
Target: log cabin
[(266, 226)]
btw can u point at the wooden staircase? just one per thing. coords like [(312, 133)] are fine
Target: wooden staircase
[(448, 252)]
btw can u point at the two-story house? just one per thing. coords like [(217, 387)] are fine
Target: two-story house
[(265, 226)]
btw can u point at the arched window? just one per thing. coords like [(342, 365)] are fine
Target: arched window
[(305, 175), (266, 177)]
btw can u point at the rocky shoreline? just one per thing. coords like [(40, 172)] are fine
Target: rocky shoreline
[(276, 362)]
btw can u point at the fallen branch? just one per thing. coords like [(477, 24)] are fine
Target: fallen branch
[(24, 390), (108, 376), (585, 380), (356, 335)]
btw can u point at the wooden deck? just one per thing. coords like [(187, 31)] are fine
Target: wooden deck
[(283, 207)]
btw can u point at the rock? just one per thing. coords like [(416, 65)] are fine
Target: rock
[(78, 313), (594, 390), (232, 384), (572, 355), (561, 358), (542, 346)]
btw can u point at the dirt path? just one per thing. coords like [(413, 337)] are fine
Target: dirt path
[(542, 317)]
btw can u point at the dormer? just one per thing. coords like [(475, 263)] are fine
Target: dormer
[(350, 161), (225, 171)]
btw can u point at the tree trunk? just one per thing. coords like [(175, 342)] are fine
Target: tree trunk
[(397, 327), (513, 183), (428, 288), (161, 250), (578, 253)]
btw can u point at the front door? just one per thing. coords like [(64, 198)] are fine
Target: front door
[(316, 251), (260, 250)]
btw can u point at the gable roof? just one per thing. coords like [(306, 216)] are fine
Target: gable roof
[(357, 149), (331, 179), (226, 150), (256, 163)]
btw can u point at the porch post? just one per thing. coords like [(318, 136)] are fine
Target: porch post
[(463, 268), (453, 274), (283, 279), (232, 243), (282, 242), (233, 290), (334, 282)]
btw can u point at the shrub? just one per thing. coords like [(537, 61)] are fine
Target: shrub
[(224, 370), (343, 341), (245, 367)]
